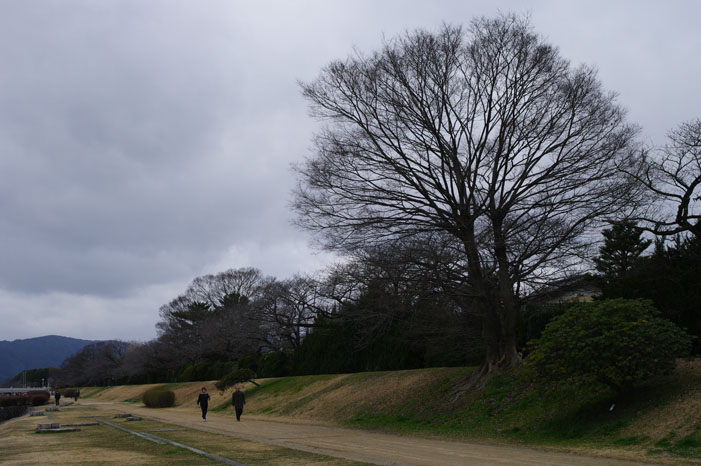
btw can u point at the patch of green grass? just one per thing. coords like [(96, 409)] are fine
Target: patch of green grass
[(174, 451), (222, 407), (688, 446)]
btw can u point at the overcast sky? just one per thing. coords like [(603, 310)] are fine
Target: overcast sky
[(144, 143)]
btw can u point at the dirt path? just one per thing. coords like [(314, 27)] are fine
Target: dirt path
[(357, 445)]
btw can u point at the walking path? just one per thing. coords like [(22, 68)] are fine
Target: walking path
[(358, 445)]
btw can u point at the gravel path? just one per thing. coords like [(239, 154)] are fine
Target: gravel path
[(358, 445)]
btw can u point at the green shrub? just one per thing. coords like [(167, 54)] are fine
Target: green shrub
[(617, 343), (533, 320), (276, 364), (248, 362), (234, 377), (158, 398)]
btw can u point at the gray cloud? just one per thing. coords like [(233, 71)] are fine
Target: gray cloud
[(145, 143)]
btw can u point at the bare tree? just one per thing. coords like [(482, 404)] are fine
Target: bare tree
[(672, 177), (211, 317), (289, 308), (213, 289), (416, 284), (485, 134), (95, 364)]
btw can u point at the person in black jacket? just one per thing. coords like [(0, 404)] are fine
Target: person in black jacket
[(203, 401), (57, 396), (238, 399)]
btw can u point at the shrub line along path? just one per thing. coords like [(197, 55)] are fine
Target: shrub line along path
[(358, 445)]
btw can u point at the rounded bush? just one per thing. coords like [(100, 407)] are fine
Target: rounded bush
[(70, 393), (158, 398), (616, 342), (38, 397)]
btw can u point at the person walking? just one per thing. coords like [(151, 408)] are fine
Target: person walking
[(238, 399), (203, 401), (57, 395)]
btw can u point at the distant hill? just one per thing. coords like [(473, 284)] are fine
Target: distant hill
[(35, 353)]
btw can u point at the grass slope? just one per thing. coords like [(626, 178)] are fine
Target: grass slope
[(660, 422)]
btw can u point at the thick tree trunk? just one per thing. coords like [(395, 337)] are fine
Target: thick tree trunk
[(499, 334), (496, 303)]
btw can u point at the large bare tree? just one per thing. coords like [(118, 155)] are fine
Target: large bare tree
[(484, 134)]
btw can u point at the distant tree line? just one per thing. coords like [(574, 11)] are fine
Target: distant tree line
[(387, 308)]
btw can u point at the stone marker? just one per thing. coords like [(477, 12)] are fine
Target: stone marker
[(50, 425), (52, 408), (121, 415), (37, 413), (62, 429), (133, 418)]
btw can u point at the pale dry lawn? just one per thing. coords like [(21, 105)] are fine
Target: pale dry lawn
[(104, 445)]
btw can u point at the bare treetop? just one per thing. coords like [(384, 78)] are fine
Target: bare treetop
[(462, 129)]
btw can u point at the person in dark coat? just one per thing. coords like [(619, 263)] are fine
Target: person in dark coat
[(238, 399), (203, 401), (57, 396)]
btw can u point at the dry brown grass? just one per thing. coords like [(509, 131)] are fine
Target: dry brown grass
[(679, 415), (104, 445), (117, 393), (339, 397)]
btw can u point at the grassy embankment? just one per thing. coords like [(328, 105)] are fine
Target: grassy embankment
[(660, 420)]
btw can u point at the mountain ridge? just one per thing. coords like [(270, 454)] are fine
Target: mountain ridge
[(36, 353)]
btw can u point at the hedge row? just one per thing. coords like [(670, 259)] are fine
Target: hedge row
[(33, 398), (38, 397), (158, 398)]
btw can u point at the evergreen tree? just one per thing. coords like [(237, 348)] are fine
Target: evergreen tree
[(623, 246)]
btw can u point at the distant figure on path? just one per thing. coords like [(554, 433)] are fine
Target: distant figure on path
[(203, 401), (57, 395), (238, 399), (76, 394)]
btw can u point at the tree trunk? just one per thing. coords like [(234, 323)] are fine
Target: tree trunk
[(499, 334)]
